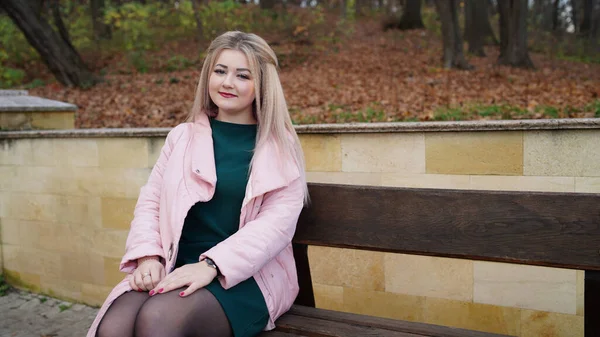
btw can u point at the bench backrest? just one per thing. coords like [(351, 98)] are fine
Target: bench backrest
[(534, 228)]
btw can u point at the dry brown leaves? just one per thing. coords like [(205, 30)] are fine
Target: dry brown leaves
[(398, 72)]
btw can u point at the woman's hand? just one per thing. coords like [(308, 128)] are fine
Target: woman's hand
[(147, 275), (194, 275)]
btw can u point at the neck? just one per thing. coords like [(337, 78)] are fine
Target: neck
[(238, 118)]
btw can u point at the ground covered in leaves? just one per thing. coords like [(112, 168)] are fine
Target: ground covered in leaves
[(365, 75)]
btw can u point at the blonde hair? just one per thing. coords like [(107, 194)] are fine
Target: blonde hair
[(269, 107)]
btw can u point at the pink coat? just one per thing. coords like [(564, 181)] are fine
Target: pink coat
[(184, 175)]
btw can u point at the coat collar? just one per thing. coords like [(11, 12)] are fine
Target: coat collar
[(267, 174)]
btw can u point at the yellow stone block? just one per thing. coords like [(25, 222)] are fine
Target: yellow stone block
[(94, 294), (40, 262), (10, 257), (527, 287), (77, 267), (23, 206), (346, 267), (14, 120), (546, 324), (29, 233), (350, 178), (8, 176), (155, 145), (328, 297), (587, 185), (580, 292), (43, 152), (112, 274), (523, 183), (108, 182), (117, 213), (571, 153), (472, 316), (64, 238), (9, 230), (429, 276), (53, 120), (474, 153), (123, 152), (425, 180), (76, 152), (16, 151), (383, 304), (109, 243), (322, 152), (62, 288), (390, 152)]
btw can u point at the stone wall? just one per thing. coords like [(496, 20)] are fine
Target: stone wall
[(67, 198)]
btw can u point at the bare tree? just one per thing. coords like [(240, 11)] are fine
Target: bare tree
[(55, 50), (513, 33), (101, 29), (588, 13), (196, 9), (454, 56), (477, 26), (411, 16)]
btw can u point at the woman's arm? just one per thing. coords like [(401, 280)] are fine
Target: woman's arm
[(144, 236), (244, 253)]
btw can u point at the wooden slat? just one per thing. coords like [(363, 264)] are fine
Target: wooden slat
[(420, 329), (548, 229), (308, 326), (276, 334), (592, 303)]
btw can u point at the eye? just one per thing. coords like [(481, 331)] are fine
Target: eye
[(244, 76), (219, 71)]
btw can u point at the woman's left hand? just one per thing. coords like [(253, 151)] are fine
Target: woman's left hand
[(195, 276)]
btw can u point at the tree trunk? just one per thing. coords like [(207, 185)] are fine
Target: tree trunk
[(198, 21), (513, 28), (59, 55), (555, 12), (588, 13), (267, 4), (411, 17), (451, 36), (478, 30), (102, 31), (574, 14)]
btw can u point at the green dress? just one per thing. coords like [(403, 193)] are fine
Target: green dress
[(208, 223)]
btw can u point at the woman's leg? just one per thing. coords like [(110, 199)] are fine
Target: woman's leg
[(119, 320), (196, 315)]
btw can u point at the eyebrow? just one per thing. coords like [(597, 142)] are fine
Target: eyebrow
[(238, 69)]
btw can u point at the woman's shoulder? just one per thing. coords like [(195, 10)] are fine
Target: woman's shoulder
[(178, 131)]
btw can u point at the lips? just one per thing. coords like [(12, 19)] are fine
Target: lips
[(227, 95)]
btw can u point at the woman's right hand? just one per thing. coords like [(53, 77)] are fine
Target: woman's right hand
[(147, 275)]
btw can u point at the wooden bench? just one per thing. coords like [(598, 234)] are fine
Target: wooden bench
[(532, 228)]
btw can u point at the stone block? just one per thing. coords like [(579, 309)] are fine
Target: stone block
[(384, 304), (346, 267), (542, 324), (527, 287), (61, 288), (328, 297), (425, 180), (9, 230), (123, 152), (474, 153), (580, 292), (572, 153), (109, 243), (322, 152), (112, 274), (16, 152), (117, 213), (76, 153), (155, 145), (400, 152), (429, 276), (350, 178), (523, 183), (10, 257), (587, 185), (53, 120), (472, 316), (94, 294)]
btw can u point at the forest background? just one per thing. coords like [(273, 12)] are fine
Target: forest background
[(128, 63)]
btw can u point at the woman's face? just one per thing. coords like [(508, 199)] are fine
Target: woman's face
[(231, 87)]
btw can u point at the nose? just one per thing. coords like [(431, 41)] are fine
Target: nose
[(228, 81)]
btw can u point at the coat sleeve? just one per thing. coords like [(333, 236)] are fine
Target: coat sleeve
[(144, 234), (243, 254)]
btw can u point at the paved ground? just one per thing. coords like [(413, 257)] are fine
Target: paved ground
[(23, 314)]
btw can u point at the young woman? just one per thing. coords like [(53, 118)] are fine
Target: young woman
[(209, 251)]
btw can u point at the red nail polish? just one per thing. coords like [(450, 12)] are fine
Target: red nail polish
[(151, 293), (181, 293), (161, 290), (140, 290)]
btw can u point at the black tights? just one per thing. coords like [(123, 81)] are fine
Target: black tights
[(135, 314)]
